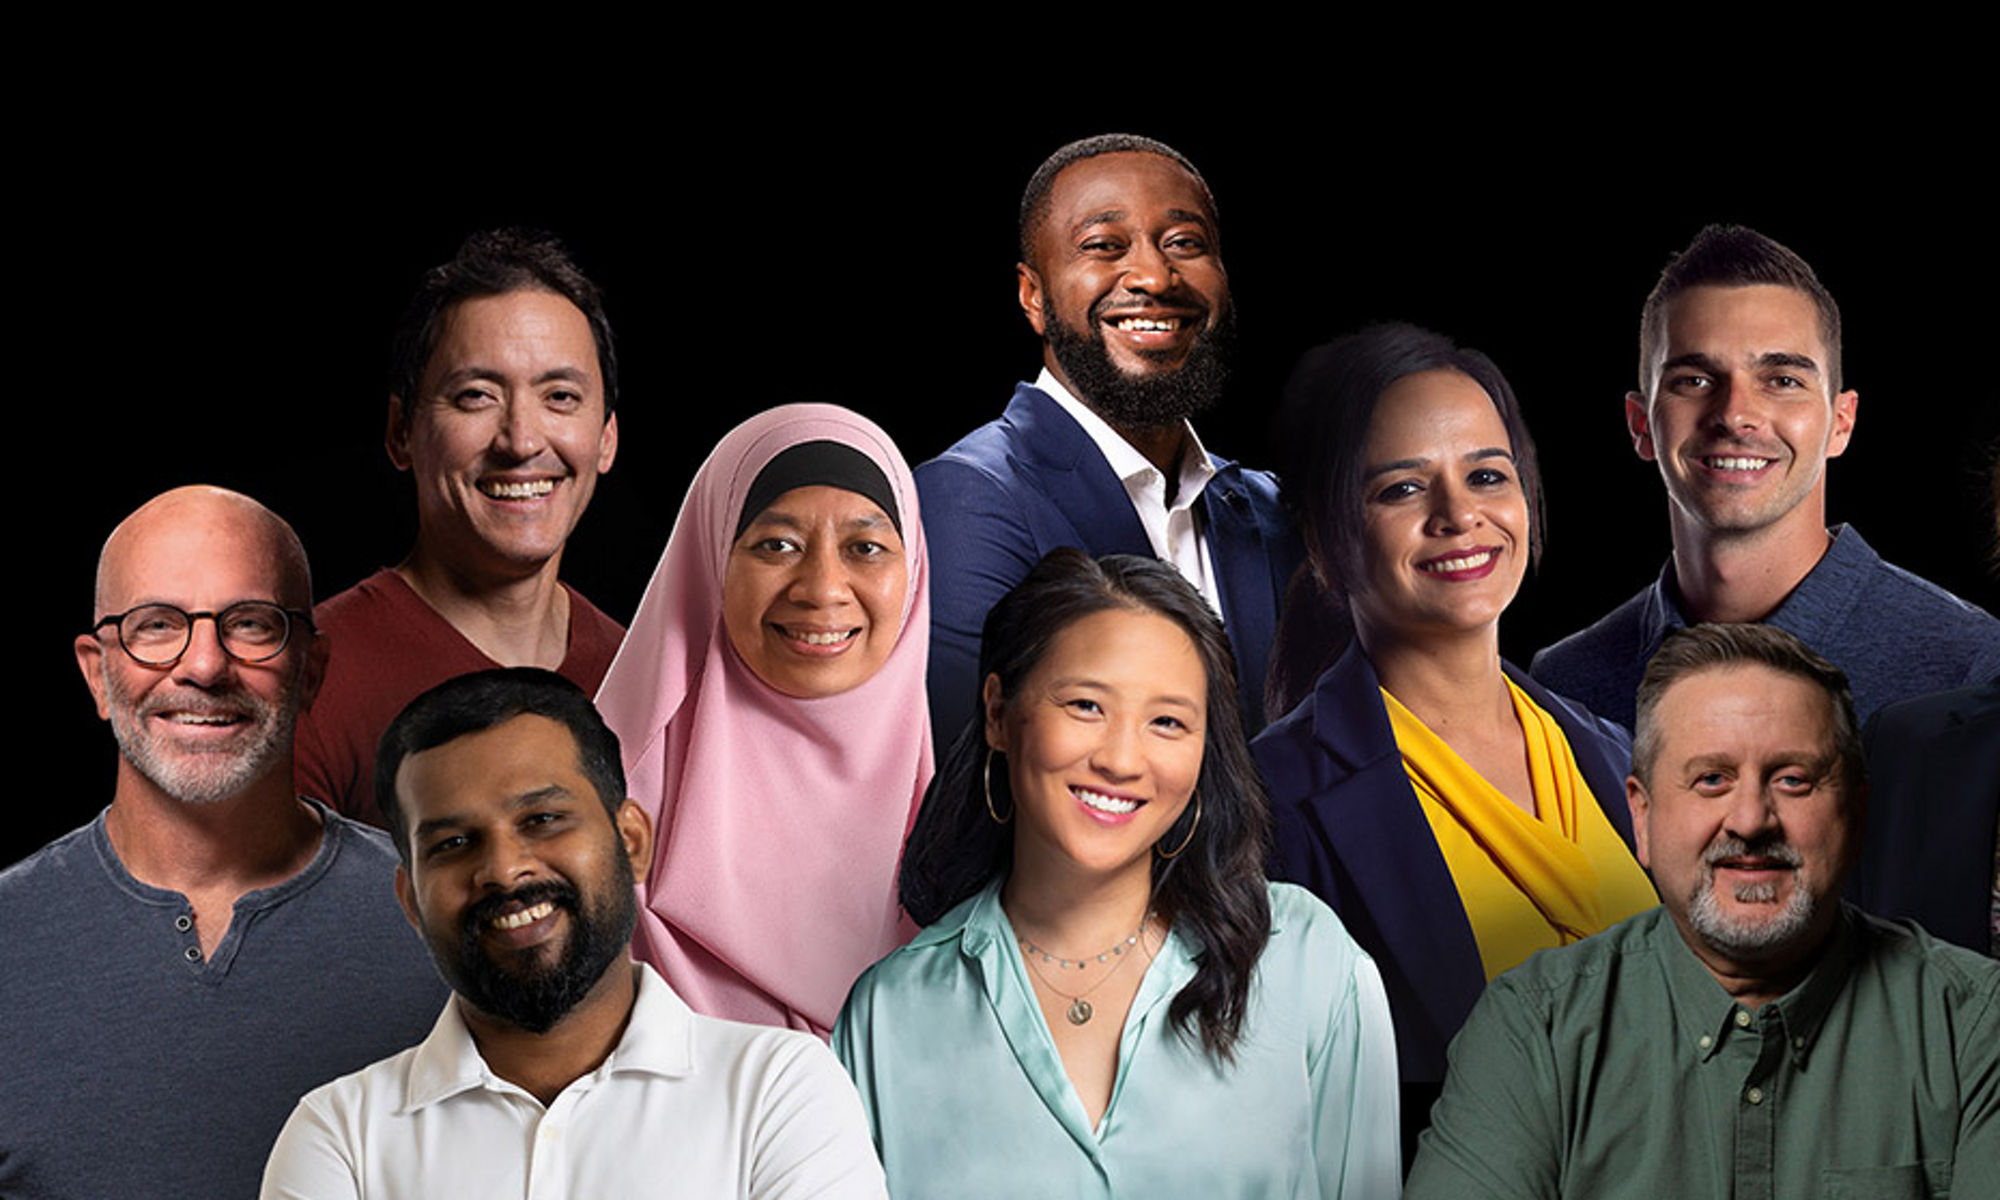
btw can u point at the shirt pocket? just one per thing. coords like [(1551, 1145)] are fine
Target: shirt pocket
[(1910, 1181)]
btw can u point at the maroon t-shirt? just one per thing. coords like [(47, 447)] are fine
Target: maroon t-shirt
[(388, 648)]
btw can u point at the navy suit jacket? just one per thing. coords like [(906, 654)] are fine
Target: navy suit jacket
[(1348, 827), (1033, 481), (1933, 809)]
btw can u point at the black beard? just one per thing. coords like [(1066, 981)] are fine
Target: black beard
[(537, 998), (1148, 401)]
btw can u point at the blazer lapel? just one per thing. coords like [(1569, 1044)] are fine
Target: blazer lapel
[(1062, 462)]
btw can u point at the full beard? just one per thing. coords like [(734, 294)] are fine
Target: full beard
[(538, 994), (1152, 401)]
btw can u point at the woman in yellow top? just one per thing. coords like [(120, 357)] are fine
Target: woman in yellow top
[(1458, 816)]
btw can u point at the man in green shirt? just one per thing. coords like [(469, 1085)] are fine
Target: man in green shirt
[(1753, 1036)]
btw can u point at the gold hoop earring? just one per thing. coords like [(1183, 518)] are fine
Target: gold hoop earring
[(986, 780), (1164, 855)]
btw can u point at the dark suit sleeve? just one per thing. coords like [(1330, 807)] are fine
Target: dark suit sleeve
[(980, 547)]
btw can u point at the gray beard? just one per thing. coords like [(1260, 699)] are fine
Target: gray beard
[(1747, 937), (200, 777), (1147, 401)]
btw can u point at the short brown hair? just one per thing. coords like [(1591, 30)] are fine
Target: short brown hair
[(1734, 256)]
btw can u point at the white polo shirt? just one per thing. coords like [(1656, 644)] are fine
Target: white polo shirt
[(686, 1105), (1170, 528)]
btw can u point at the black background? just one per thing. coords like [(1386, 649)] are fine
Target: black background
[(205, 294)]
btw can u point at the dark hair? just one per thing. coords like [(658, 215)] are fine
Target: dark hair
[(1733, 256), (493, 263), (1035, 200), (1215, 886), (1323, 423), (1708, 647), (479, 701)]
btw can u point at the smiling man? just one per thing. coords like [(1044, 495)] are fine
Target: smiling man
[(1121, 276), (1752, 1036), (559, 1062), (1741, 405), (210, 947), (502, 388)]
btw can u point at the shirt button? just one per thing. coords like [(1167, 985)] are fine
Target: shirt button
[(183, 922), (192, 953), (1706, 1041), (1798, 1043), (1742, 1019), (1755, 1095)]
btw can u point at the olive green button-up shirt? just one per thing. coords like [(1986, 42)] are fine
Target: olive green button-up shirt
[(1618, 1067)]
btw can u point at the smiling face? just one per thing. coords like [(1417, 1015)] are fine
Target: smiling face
[(813, 593), (1444, 519), (518, 879), (205, 728), (507, 435), (1127, 289), (1740, 420), (1103, 743), (1745, 820)]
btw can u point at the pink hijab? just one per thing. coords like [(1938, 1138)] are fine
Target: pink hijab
[(777, 822)]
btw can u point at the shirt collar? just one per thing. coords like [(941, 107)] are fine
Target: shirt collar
[(658, 1040), (1711, 1015), (1126, 462)]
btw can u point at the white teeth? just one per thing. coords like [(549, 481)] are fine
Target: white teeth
[(1465, 563), (1103, 803), (202, 718), (517, 489), (1147, 325), (525, 917), (824, 639), (1738, 463)]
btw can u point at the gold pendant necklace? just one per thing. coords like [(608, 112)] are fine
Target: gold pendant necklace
[(1079, 1011)]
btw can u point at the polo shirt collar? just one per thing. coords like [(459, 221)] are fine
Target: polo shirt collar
[(658, 1040)]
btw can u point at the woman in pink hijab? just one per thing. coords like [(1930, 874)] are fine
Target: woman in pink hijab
[(770, 699)]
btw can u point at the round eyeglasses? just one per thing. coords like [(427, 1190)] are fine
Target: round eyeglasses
[(251, 631)]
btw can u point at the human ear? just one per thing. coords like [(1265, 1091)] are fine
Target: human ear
[(635, 833), (396, 435), (406, 896), (1639, 424), (90, 660), (1033, 298), (994, 705), (1640, 805)]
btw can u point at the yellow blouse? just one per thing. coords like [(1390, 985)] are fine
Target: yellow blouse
[(1526, 881)]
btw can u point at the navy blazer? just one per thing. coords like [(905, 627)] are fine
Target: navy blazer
[(1348, 826), (1933, 812), (1033, 481)]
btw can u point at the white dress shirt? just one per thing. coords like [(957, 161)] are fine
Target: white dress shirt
[(1171, 529), (686, 1105)]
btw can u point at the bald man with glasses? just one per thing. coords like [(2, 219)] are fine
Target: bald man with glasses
[(211, 946)]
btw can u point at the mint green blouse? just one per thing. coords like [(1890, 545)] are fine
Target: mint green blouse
[(967, 1096)]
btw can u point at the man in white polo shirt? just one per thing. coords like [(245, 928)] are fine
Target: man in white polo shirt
[(560, 1067)]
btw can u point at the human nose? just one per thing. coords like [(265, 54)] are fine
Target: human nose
[(204, 662), (1117, 753), (1147, 270), (507, 863), (821, 579), (1734, 406), (1452, 509), (1753, 812), (520, 436)]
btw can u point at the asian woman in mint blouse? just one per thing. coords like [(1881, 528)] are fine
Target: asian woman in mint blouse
[(1107, 998)]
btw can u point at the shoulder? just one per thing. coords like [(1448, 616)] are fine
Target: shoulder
[(1578, 722), (1619, 631), (761, 1056), (1302, 925), (1893, 594), (1961, 980), (381, 592), (48, 870), (1583, 972)]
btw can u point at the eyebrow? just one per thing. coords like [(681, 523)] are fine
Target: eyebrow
[(1084, 681), (527, 799), (1413, 464), (566, 374), (1770, 358), (773, 516), (1111, 215)]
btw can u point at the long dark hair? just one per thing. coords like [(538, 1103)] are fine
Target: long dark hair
[(1214, 888), (1329, 404)]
